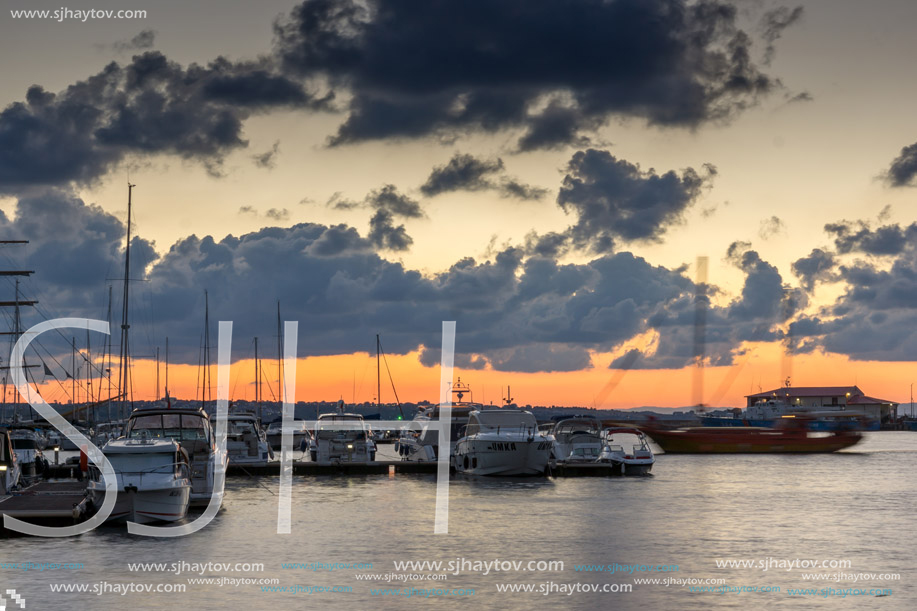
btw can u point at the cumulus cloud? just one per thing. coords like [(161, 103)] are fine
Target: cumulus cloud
[(903, 169), (469, 173), (614, 200), (816, 267), (149, 106), (552, 71), (859, 237)]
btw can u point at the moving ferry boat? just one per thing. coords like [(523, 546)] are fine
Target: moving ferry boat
[(191, 429), (154, 480), (791, 435), (342, 438), (502, 442), (9, 465)]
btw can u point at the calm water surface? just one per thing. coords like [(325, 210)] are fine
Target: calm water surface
[(854, 506)]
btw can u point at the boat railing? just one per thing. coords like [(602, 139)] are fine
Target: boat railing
[(182, 468)]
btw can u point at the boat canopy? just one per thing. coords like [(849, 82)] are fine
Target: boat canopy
[(500, 420)]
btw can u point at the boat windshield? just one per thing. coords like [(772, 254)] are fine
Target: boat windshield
[(24, 443), (179, 427), (241, 427)]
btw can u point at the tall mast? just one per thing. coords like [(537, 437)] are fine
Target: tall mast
[(157, 373), (167, 366), (378, 374), (73, 371), (124, 375), (258, 383), (279, 358), (108, 369), (205, 390)]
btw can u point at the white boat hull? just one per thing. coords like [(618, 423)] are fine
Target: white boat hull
[(502, 457), (146, 506)]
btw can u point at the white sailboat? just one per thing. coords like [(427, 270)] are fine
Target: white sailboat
[(502, 442)]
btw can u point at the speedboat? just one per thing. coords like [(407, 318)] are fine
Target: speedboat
[(342, 438), (627, 448), (65, 444), (9, 465), (154, 480), (26, 444), (105, 432), (191, 429), (502, 442), (577, 438), (246, 441), (419, 441)]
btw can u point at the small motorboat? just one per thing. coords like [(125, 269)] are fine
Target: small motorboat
[(627, 448), (246, 442), (577, 439), (342, 438)]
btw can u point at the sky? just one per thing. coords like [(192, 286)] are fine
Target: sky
[(546, 174)]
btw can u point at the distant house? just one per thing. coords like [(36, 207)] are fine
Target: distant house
[(830, 398)]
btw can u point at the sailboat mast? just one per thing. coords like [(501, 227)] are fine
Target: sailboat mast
[(167, 366), (124, 376), (205, 390), (279, 359), (258, 383), (157, 373), (378, 374), (108, 369)]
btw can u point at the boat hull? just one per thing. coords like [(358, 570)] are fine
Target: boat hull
[(751, 441), (520, 457), (146, 506)]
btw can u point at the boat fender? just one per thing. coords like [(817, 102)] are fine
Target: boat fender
[(398, 447), (84, 461)]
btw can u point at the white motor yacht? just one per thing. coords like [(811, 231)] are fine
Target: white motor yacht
[(9, 465), (190, 428), (246, 441), (628, 448), (302, 438), (420, 442), (577, 438), (154, 482), (26, 444), (502, 442), (342, 438)]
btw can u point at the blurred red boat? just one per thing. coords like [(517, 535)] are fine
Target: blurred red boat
[(790, 436)]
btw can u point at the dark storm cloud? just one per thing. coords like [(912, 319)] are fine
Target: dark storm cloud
[(148, 106), (614, 200), (469, 173), (553, 70), (817, 266), (72, 246), (385, 235), (859, 237), (903, 169), (515, 312)]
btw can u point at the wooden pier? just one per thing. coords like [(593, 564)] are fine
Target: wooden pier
[(49, 503)]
